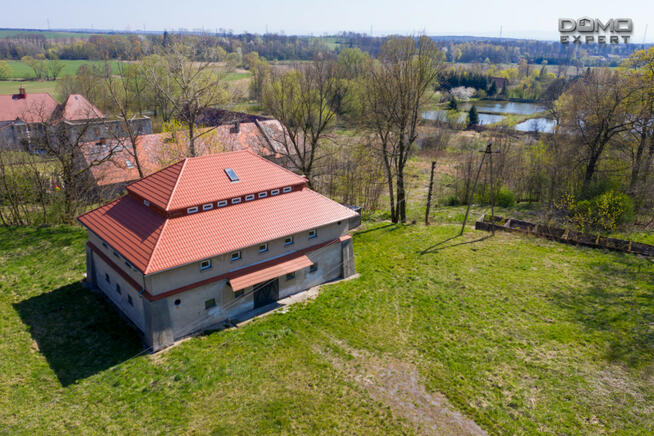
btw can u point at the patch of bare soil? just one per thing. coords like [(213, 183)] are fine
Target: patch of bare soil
[(397, 384)]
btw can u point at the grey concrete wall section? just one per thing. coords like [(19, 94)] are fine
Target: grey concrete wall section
[(91, 276), (158, 326), (347, 251)]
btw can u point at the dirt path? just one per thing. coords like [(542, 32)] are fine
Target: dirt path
[(397, 384)]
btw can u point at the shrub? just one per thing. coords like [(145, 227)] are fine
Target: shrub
[(603, 212), (505, 198)]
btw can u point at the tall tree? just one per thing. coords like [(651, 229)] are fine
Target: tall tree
[(397, 90), (302, 100), (198, 86)]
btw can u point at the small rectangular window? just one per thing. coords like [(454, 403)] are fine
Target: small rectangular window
[(116, 253), (118, 289), (221, 203), (263, 194), (192, 209), (263, 248), (231, 174), (205, 264), (313, 268), (287, 189), (236, 200), (288, 241), (104, 244), (208, 206), (210, 303), (146, 202), (129, 163), (129, 265), (290, 276), (236, 255), (274, 192), (313, 234), (129, 300), (106, 277), (249, 197)]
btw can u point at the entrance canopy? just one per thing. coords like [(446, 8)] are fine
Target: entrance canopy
[(266, 271)]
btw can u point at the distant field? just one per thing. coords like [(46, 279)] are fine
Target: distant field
[(4, 33), (11, 87), (20, 70)]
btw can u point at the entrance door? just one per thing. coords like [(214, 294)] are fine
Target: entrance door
[(266, 294)]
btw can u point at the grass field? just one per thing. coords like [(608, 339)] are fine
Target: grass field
[(522, 335), (5, 33), (11, 87), (20, 70)]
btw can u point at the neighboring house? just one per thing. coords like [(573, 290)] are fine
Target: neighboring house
[(23, 115), (238, 131), (211, 237)]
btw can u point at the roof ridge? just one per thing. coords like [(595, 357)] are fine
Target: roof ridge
[(179, 176), (156, 244)]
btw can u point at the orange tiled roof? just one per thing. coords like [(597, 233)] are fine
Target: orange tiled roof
[(77, 108), (155, 242), (33, 108)]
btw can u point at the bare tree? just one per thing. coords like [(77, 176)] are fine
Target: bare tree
[(396, 94), (197, 86), (302, 100)]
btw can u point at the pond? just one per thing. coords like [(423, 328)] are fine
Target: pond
[(507, 107), (543, 125)]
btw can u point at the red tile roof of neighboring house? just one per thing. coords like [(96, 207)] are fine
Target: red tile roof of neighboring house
[(156, 149), (79, 108), (199, 180), (155, 242), (32, 108)]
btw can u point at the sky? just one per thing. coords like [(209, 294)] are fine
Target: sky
[(515, 18)]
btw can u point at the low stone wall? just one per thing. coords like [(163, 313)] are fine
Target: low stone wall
[(563, 235)]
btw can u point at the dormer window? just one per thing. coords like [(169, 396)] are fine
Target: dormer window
[(191, 210), (207, 206), (287, 189), (232, 175), (263, 194), (249, 197), (221, 203), (274, 192), (236, 200)]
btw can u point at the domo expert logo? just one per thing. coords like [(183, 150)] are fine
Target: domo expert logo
[(588, 30)]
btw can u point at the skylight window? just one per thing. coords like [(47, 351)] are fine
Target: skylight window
[(232, 175)]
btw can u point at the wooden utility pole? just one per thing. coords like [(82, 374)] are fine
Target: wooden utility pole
[(489, 151), (431, 187)]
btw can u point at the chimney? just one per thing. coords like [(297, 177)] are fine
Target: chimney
[(237, 127), (21, 92)]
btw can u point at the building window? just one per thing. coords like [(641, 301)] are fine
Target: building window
[(263, 248), (313, 268), (249, 197), (338, 223), (313, 234), (129, 163), (178, 302), (106, 277), (205, 264), (232, 175), (192, 209), (146, 202), (210, 303), (290, 276), (129, 300), (263, 194), (221, 203), (116, 254), (274, 192), (287, 189), (129, 265), (208, 206), (288, 241), (236, 200), (104, 244), (118, 289), (236, 255)]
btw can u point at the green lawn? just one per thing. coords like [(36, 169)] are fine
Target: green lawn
[(20, 70), (11, 87), (522, 335), (4, 33)]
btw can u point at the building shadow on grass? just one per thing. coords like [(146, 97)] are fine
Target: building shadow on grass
[(441, 245), (78, 332), (618, 305)]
